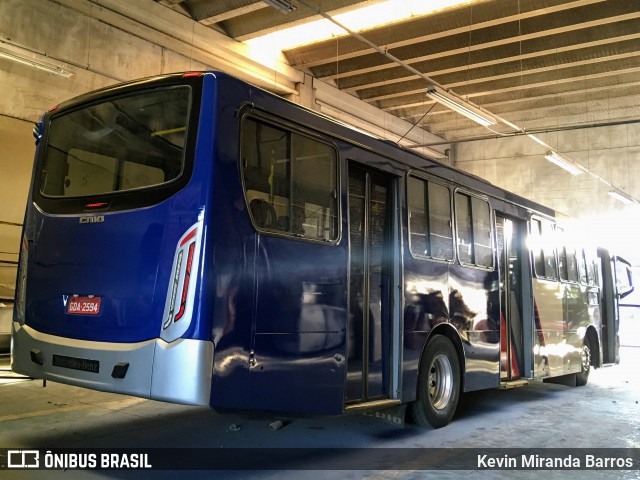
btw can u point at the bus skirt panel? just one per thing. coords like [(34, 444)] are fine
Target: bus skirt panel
[(178, 372)]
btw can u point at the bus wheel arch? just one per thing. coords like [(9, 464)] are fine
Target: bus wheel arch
[(589, 356), (592, 337), (440, 379)]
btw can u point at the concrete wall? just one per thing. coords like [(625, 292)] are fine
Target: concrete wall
[(611, 153), (16, 151)]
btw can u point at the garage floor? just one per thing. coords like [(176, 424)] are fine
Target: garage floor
[(604, 413)]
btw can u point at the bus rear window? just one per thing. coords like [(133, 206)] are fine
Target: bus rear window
[(125, 143)]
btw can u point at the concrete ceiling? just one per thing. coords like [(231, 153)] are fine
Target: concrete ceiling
[(541, 64)]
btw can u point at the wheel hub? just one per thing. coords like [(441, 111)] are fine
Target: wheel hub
[(440, 382)]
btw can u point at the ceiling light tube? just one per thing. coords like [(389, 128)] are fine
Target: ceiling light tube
[(460, 105), (283, 6), (32, 59), (621, 197), (565, 163)]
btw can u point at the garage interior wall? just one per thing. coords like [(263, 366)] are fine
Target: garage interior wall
[(612, 153), (518, 164), (102, 45)]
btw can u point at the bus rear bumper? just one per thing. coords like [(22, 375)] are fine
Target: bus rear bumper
[(178, 372)]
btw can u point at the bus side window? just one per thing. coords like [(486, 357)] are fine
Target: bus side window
[(290, 181), (568, 265), (542, 244), (430, 219), (473, 221), (592, 270), (582, 267), (482, 232)]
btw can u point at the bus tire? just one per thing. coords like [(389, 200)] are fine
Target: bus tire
[(585, 359), (438, 384)]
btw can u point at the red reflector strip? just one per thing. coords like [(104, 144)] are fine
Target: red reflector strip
[(185, 287), (53, 108), (192, 74), (189, 236)]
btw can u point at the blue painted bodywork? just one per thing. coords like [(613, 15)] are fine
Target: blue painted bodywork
[(275, 307)]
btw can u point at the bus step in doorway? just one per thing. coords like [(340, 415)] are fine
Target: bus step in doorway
[(513, 384)]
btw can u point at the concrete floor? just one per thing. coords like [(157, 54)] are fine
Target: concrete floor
[(604, 413)]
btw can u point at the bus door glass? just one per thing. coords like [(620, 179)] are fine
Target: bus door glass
[(369, 328), (510, 247)]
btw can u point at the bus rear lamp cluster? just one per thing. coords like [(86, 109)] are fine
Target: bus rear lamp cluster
[(181, 291), (174, 290), (21, 291), (185, 288)]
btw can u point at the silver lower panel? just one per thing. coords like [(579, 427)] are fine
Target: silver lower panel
[(177, 372)]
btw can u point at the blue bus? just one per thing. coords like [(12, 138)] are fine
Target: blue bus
[(191, 238)]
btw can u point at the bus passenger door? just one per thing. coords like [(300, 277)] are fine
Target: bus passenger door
[(510, 236), (615, 274), (369, 334)]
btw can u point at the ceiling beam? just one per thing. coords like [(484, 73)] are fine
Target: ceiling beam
[(325, 52), (233, 13), (585, 36), (417, 87)]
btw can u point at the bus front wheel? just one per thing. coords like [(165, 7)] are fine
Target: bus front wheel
[(438, 384)]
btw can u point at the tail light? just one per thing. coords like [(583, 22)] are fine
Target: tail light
[(180, 300), (21, 283)]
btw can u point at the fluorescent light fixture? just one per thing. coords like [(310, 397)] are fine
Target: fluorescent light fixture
[(32, 59), (622, 197), (565, 163), (460, 105), (358, 19), (283, 6)]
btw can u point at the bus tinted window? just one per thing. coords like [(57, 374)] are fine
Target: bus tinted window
[(125, 143), (482, 232), (542, 244), (464, 226), (290, 181), (592, 270), (582, 267), (567, 264), (473, 222), (430, 225)]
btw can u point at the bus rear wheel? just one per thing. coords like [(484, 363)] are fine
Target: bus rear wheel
[(585, 360), (438, 384)]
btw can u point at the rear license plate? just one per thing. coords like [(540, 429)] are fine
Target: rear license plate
[(83, 305), (74, 363)]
